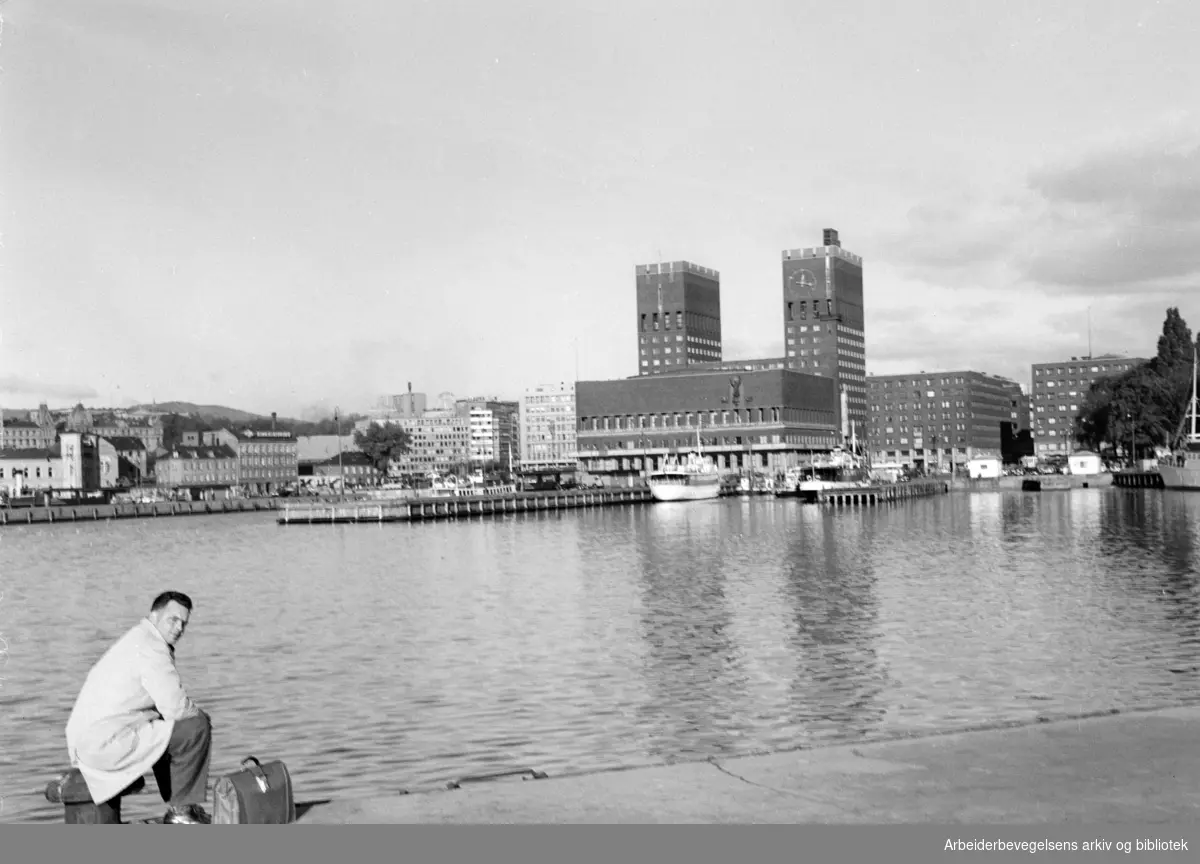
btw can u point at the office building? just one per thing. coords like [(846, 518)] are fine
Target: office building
[(928, 420), (495, 432), (439, 442), (548, 428), (1059, 391)]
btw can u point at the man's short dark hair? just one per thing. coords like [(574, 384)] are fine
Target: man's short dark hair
[(167, 596)]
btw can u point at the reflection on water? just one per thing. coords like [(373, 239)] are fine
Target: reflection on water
[(376, 658)]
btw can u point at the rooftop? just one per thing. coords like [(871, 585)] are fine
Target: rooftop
[(809, 252), (753, 365), (264, 435), (31, 453), (125, 442), (20, 424), (1098, 358), (939, 373), (667, 268), (220, 451)]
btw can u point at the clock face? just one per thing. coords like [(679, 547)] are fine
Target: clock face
[(804, 278)]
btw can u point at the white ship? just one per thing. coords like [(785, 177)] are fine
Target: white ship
[(1182, 469), (693, 479)]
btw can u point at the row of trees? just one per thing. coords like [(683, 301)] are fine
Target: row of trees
[(1146, 406)]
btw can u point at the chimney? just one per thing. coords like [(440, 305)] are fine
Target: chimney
[(831, 237), (272, 421)]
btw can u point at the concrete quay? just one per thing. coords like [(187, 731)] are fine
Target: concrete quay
[(413, 509), (1114, 768), (98, 512)]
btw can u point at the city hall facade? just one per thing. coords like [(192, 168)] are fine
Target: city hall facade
[(746, 415)]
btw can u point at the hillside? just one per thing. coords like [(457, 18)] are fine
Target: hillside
[(233, 415)]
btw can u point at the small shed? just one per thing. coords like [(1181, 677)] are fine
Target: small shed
[(1084, 462), (983, 467)]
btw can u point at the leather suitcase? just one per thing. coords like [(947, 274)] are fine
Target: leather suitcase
[(257, 795)]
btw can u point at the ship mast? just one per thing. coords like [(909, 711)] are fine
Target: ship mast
[(1192, 437)]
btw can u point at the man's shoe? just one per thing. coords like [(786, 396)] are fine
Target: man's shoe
[(188, 814)]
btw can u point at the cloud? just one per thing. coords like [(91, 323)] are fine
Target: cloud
[(958, 232), (17, 385), (1118, 218)]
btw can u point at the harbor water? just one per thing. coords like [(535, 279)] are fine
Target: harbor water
[(379, 658)]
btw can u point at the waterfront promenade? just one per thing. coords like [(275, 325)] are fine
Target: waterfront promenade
[(1135, 767)]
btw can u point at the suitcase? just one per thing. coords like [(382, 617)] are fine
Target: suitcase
[(257, 795)]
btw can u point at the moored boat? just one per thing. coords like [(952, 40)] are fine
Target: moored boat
[(694, 479)]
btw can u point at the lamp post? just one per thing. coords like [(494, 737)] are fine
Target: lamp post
[(341, 475)]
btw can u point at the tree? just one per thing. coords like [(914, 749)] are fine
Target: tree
[(1147, 402), (1174, 345), (1173, 363), (383, 444)]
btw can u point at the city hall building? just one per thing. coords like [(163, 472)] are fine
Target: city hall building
[(752, 415)]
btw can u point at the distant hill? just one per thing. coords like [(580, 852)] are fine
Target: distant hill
[(233, 415)]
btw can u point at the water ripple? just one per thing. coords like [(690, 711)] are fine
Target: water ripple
[(377, 658)]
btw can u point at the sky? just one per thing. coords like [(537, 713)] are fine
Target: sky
[(286, 206)]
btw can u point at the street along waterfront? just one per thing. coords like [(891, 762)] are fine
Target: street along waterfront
[(401, 656)]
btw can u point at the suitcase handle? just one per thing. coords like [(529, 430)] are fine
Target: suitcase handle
[(255, 768)]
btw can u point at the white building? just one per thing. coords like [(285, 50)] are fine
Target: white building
[(497, 418), (440, 441), (983, 467), (482, 435), (1084, 462), (548, 425)]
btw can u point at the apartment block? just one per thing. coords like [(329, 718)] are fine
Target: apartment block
[(931, 419), (1059, 391)]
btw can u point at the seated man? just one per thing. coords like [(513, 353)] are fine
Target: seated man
[(133, 715)]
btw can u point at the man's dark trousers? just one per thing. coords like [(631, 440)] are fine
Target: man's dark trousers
[(182, 771)]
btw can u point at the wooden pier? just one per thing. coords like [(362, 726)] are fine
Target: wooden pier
[(454, 507), (99, 512), (1138, 480), (865, 496)]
